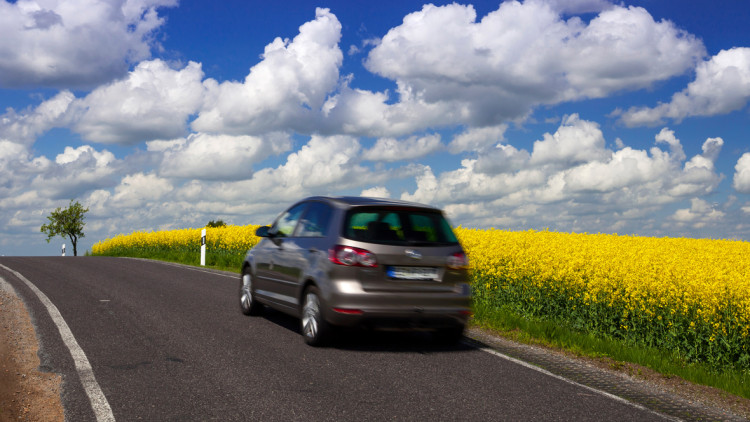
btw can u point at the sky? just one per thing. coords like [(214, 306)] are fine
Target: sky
[(578, 116)]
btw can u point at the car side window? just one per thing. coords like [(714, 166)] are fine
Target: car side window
[(315, 221), (286, 223)]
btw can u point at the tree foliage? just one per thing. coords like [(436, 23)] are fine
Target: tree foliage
[(217, 223), (66, 222)]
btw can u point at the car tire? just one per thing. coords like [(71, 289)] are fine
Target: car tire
[(248, 304), (449, 336), (315, 330)]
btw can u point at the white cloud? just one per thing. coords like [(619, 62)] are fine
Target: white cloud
[(699, 214), (139, 189), (286, 90), (323, 166), (376, 192), (503, 159), (668, 137), (478, 139), (579, 6), (26, 125), (76, 171), (74, 43), (721, 85), (576, 141), (153, 102), (741, 181), (451, 69), (390, 149), (217, 157), (571, 180)]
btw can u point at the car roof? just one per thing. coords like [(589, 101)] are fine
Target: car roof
[(350, 201)]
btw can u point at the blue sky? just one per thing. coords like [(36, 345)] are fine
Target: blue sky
[(577, 116)]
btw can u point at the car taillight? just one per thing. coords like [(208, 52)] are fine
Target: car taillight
[(351, 256), (458, 261)]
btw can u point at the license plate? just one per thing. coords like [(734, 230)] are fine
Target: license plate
[(413, 273)]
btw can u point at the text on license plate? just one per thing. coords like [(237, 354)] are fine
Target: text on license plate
[(413, 273)]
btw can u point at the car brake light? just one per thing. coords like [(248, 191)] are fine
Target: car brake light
[(348, 311), (351, 256), (458, 261)]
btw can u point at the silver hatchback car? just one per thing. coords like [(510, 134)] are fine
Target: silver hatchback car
[(352, 261)]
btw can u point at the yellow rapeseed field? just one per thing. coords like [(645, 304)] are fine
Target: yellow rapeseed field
[(232, 238), (687, 295)]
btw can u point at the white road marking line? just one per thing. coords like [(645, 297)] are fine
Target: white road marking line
[(99, 403), (561, 378), (186, 267)]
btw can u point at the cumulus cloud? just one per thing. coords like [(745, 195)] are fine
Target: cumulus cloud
[(136, 190), (699, 214), (376, 192), (571, 176), (217, 157), (326, 165), (721, 85), (26, 125), (286, 90), (502, 159), (74, 44), (741, 182), (477, 139), (76, 171), (153, 102), (576, 141), (390, 149), (451, 69)]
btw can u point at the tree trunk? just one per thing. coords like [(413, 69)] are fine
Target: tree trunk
[(74, 241)]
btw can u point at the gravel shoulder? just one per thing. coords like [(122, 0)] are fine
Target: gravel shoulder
[(26, 392)]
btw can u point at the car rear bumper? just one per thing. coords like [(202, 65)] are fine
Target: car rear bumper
[(407, 310)]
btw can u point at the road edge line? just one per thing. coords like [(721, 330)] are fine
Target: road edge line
[(494, 352), (99, 403)]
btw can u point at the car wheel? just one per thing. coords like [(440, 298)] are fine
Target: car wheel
[(449, 336), (248, 304), (315, 329)]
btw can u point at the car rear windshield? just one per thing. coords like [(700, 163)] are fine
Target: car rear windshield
[(397, 225)]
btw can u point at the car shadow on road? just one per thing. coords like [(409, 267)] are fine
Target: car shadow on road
[(370, 340)]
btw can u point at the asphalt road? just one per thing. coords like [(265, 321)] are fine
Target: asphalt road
[(168, 342)]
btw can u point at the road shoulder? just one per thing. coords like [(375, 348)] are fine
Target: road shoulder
[(26, 392), (670, 396)]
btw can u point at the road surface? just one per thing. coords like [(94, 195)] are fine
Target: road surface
[(168, 342)]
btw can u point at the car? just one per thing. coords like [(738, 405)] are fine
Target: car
[(338, 262)]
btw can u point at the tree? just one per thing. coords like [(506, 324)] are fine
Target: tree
[(217, 223), (66, 222)]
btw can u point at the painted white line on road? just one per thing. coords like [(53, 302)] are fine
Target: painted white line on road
[(186, 267), (99, 403), (548, 373)]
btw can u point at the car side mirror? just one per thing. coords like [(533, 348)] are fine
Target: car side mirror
[(262, 231)]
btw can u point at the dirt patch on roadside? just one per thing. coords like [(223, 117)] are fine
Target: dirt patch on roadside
[(26, 393)]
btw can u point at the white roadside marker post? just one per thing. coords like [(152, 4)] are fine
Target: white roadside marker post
[(63, 250), (203, 248)]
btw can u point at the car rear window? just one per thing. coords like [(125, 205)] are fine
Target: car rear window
[(412, 226)]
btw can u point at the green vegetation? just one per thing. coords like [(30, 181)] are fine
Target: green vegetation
[(558, 335), (66, 222), (219, 260)]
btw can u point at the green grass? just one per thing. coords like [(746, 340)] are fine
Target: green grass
[(557, 335), (221, 260)]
